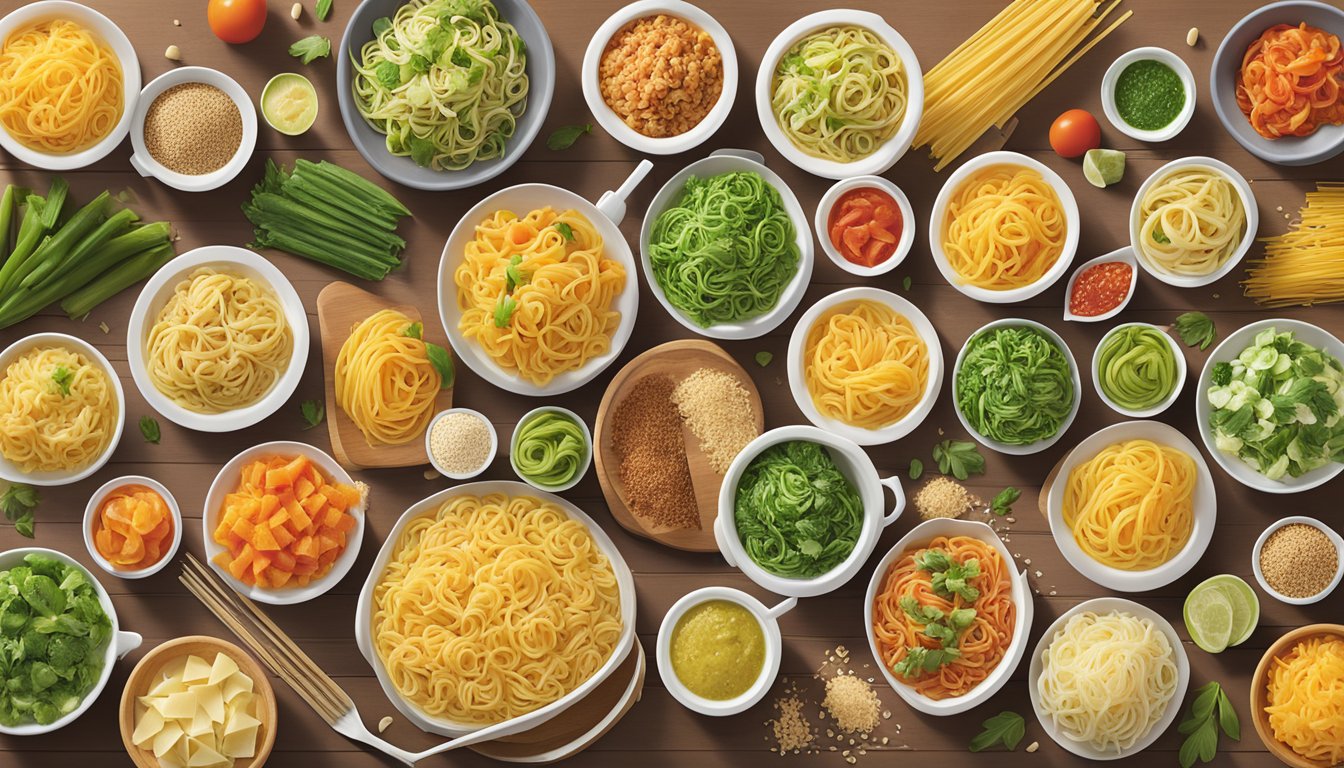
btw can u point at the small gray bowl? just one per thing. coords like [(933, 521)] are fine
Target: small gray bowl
[(372, 144), (1328, 140)]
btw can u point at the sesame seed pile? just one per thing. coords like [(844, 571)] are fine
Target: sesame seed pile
[(1299, 560), (460, 442), (791, 728), (943, 497), (193, 129), (719, 411), (646, 433), (852, 703)]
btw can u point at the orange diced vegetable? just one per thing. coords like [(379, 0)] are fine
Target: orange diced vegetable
[(133, 528)]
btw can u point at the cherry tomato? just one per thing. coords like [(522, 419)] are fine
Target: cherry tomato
[(236, 21), (1075, 132)]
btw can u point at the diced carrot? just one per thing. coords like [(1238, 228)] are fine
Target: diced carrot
[(314, 504), (303, 487), (279, 519), (285, 476), (254, 475), (234, 542), (260, 562), (331, 518), (242, 528), (301, 520), (305, 567), (282, 536), (325, 542), (263, 539), (280, 578), (346, 524), (306, 546), (283, 562), (269, 504), (238, 566)]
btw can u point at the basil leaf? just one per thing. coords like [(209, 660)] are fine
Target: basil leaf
[(24, 525), (763, 358), (62, 376), (1227, 717), (565, 230), (504, 311), (149, 429), (313, 412), (388, 74), (1003, 502), (422, 151), (414, 330), (381, 25), (916, 469), (564, 137), (1006, 728), (443, 364)]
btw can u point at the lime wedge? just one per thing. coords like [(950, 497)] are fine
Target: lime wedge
[(1103, 167), (289, 103), (1245, 603), (1208, 618)]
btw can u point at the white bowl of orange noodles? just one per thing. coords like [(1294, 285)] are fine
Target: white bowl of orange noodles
[(1121, 564), (364, 612), (973, 538), (984, 261), (79, 139)]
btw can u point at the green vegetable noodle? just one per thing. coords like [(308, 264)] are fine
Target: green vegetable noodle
[(53, 634), (1014, 385), (796, 514), (550, 449), (725, 252), (1136, 367)]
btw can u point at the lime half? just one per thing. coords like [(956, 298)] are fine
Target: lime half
[(1103, 167), (1209, 619), (289, 103), (1245, 603)]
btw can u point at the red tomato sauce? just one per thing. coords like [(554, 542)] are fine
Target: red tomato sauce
[(1100, 288), (865, 226)]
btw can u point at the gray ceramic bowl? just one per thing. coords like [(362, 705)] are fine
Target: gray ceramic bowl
[(1328, 140), (372, 144)]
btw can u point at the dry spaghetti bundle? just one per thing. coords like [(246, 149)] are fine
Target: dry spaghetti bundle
[(1304, 265)]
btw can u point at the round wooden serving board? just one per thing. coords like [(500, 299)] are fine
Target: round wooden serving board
[(677, 360)]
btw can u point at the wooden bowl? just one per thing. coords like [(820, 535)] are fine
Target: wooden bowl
[(1260, 693), (145, 673)]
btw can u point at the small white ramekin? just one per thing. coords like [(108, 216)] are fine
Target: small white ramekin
[(489, 458), (145, 164), (1163, 56), (1318, 525), (513, 448), (1145, 413), (1125, 255), (96, 501), (822, 224)]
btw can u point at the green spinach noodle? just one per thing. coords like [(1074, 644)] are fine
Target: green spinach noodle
[(444, 80), (1014, 385), (796, 513), (550, 449), (726, 250), (1136, 367)]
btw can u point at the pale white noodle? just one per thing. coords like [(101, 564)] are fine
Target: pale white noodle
[(1190, 222)]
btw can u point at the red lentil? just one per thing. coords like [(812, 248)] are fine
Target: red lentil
[(1100, 288)]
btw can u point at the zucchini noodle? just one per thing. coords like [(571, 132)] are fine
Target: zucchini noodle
[(726, 251), (839, 94), (1136, 368), (444, 80), (550, 449), (1014, 385)]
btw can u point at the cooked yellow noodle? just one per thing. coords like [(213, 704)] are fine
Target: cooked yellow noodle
[(1004, 228), (491, 607), (60, 87), (865, 365), (1199, 213), (43, 429), (563, 315), (220, 343), (1132, 505), (384, 380)]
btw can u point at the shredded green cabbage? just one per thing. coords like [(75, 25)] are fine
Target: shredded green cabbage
[(1014, 385)]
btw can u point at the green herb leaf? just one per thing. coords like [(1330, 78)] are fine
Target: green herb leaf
[(564, 137), (388, 74), (323, 9), (1160, 237), (1003, 502), (381, 25), (565, 230), (422, 151), (906, 282), (442, 362), (62, 376), (313, 413), (17, 501), (24, 525), (1196, 329), (916, 469), (310, 48), (763, 358), (1201, 727), (504, 311), (1227, 717), (415, 330), (149, 429), (959, 458), (1006, 728), (419, 64)]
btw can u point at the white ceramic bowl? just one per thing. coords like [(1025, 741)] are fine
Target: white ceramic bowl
[(1145, 413), (155, 295), (890, 150), (226, 482), (769, 621), (613, 124), (1318, 525), (1228, 350), (823, 215), (444, 726), (116, 40), (1039, 445), (145, 164), (489, 458), (8, 469), (521, 199), (1205, 509), (843, 300), (729, 161), (1247, 203), (920, 536), (1104, 605), (1067, 203), (1162, 55), (587, 448), (1125, 255), (91, 512), (119, 644), (855, 465)]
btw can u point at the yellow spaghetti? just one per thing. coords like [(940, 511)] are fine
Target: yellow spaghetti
[(58, 410), (60, 87), (1306, 699), (1132, 505), (384, 380), (1191, 221), (491, 607), (219, 344), (865, 365), (1304, 265), (1004, 228), (536, 292)]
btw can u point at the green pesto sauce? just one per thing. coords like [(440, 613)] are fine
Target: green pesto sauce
[(718, 650), (1149, 95)]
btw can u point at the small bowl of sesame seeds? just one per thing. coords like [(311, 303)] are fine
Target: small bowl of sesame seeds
[(1298, 560), (461, 443), (194, 129)]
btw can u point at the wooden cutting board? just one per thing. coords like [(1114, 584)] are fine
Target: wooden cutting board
[(340, 307)]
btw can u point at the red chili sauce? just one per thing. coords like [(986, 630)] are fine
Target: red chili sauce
[(1100, 288), (865, 226)]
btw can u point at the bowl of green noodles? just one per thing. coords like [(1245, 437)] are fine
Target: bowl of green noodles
[(444, 94), (801, 509), (840, 93), (726, 247), (1138, 370), (551, 448), (1016, 386)]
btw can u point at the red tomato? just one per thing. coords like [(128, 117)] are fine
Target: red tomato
[(1075, 132), (236, 21)]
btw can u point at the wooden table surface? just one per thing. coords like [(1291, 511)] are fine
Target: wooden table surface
[(658, 732)]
